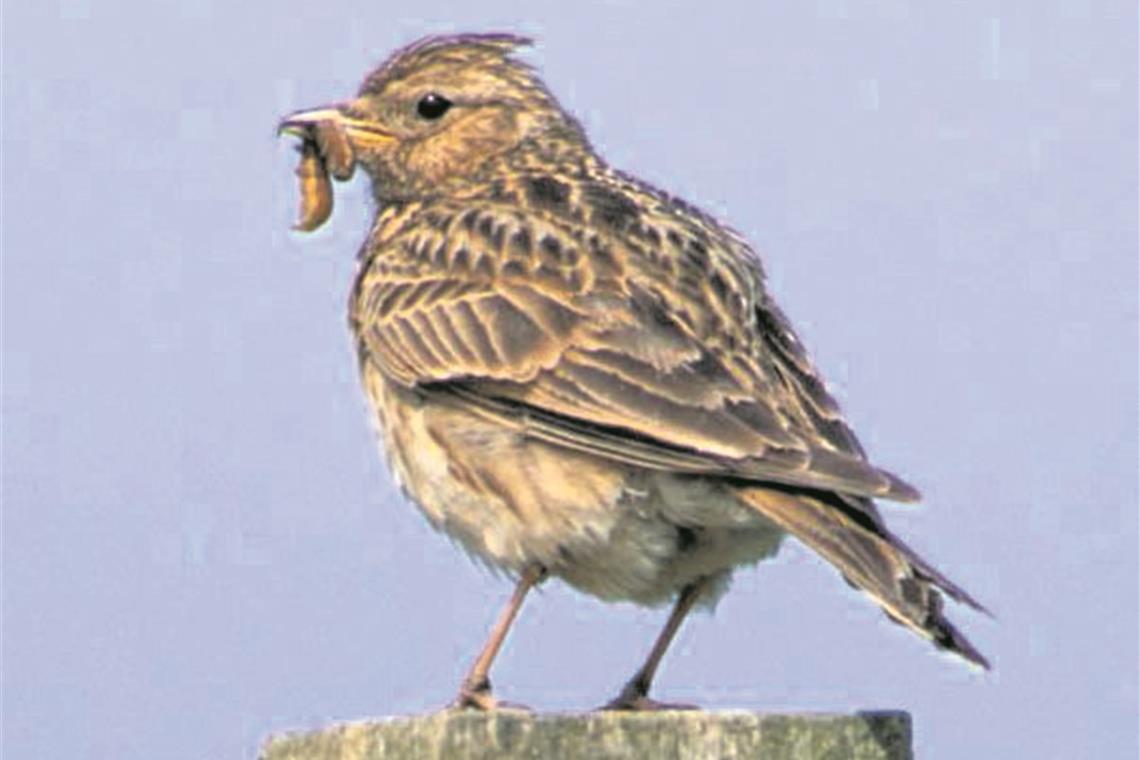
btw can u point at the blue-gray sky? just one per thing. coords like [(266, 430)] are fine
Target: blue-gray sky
[(201, 545)]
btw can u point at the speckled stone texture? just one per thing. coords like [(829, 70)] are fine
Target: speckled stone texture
[(511, 735)]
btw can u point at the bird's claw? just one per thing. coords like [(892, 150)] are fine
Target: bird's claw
[(645, 704), (634, 699), (479, 697)]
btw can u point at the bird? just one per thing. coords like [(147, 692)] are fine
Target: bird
[(577, 375)]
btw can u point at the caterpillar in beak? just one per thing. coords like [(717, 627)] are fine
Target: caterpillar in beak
[(316, 188), (324, 151)]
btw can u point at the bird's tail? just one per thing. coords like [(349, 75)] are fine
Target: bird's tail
[(849, 534)]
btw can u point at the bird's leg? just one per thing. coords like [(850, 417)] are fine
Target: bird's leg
[(635, 694), (475, 692)]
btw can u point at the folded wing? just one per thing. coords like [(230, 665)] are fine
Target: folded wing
[(591, 343)]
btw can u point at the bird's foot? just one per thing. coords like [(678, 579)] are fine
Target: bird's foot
[(634, 699), (478, 697), (645, 704)]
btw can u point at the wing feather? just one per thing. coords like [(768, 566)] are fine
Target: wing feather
[(598, 350)]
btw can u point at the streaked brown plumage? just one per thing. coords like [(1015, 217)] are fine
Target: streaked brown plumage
[(578, 375)]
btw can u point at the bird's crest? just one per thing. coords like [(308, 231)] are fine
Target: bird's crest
[(493, 49)]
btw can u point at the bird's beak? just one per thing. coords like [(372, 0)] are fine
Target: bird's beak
[(360, 132), (301, 123)]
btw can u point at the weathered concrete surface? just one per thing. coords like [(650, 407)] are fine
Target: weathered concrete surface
[(512, 735)]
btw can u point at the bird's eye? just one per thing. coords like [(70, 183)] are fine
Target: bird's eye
[(432, 106)]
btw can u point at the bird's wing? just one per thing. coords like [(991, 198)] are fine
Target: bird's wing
[(623, 345)]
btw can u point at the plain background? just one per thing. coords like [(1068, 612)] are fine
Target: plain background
[(201, 545)]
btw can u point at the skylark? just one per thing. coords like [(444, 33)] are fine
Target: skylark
[(578, 375)]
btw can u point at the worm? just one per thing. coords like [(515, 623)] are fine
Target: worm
[(340, 159), (316, 188)]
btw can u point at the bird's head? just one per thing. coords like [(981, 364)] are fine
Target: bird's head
[(434, 114)]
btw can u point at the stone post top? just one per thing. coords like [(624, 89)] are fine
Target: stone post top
[(514, 735)]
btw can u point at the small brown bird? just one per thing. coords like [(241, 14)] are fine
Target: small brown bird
[(578, 375)]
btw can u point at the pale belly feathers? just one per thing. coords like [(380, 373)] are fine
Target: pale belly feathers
[(610, 530)]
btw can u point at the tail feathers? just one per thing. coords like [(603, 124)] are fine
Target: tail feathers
[(929, 574), (850, 536)]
